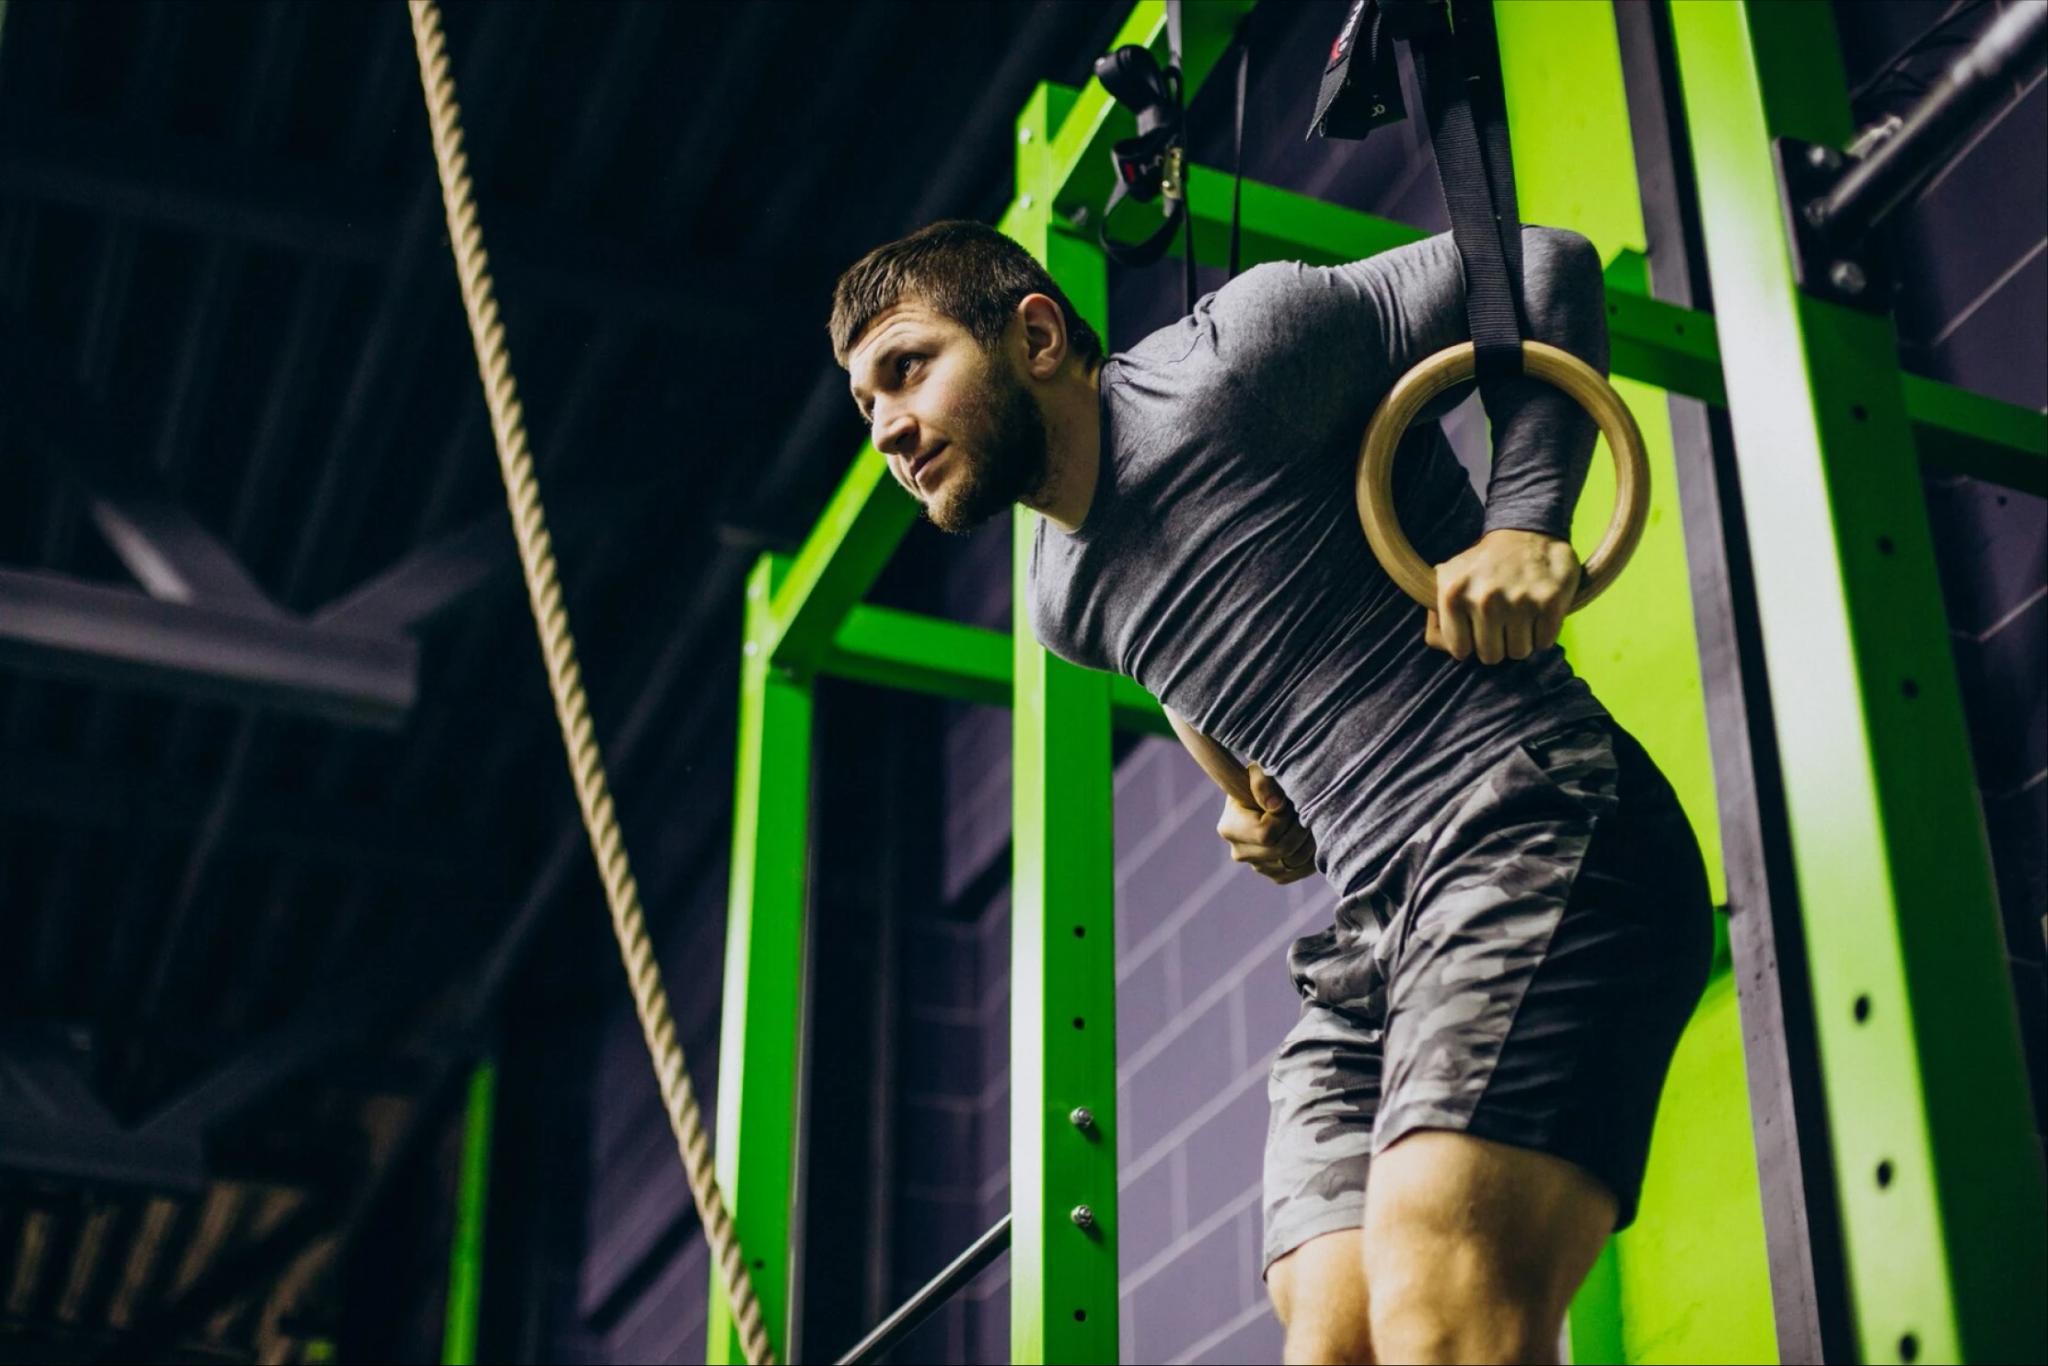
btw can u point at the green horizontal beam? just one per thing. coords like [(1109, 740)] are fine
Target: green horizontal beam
[(839, 562), (1954, 430), (889, 648), (1273, 224), (1960, 432)]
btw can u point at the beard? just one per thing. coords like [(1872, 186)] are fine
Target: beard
[(1003, 458)]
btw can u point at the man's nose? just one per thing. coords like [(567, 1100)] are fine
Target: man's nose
[(896, 435)]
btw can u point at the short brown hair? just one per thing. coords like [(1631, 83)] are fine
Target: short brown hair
[(966, 271)]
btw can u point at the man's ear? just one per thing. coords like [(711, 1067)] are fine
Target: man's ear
[(1045, 334)]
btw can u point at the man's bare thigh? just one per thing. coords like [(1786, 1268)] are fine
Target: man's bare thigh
[(1453, 1216)]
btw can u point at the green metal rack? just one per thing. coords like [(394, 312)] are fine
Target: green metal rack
[(1941, 1191)]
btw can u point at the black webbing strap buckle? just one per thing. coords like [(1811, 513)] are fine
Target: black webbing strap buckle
[(1155, 162), (1457, 70), (1152, 164)]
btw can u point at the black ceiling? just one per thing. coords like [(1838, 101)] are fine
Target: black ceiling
[(228, 316)]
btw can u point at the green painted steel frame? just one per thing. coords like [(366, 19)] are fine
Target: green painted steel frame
[(472, 1200), (805, 617), (1939, 1174)]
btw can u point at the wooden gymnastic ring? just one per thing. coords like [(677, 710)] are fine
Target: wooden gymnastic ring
[(1453, 365)]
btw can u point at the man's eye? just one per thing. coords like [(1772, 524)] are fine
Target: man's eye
[(904, 360)]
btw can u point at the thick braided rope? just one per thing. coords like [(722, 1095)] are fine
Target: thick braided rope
[(537, 559)]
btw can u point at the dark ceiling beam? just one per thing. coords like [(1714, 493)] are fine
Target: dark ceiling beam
[(268, 201), (57, 626), (56, 1126), (388, 90), (351, 461), (434, 579), (103, 454), (170, 554), (331, 1016), (96, 795), (197, 187), (427, 582)]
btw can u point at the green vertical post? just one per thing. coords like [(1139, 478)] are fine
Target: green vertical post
[(760, 1026), (472, 1196), (1063, 1265), (1693, 1271), (1939, 1174)]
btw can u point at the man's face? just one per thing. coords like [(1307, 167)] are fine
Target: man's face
[(961, 431)]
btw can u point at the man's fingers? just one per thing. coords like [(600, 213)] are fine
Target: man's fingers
[(1454, 627), (1518, 635), (1265, 791), (1487, 645), (1296, 852), (1280, 873)]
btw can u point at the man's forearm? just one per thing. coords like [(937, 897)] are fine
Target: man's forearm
[(1216, 761), (1542, 450)]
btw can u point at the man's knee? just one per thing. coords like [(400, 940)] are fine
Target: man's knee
[(1453, 1299), (1476, 1248), (1319, 1293), (1446, 1321)]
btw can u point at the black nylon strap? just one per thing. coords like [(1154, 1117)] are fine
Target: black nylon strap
[(1461, 92), (1187, 252), (1179, 219), (1244, 66)]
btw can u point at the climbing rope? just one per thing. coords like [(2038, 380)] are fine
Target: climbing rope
[(565, 681)]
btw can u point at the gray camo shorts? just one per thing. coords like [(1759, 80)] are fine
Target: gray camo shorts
[(1520, 970)]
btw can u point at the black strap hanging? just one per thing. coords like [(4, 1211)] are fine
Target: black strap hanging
[(1154, 163), (1457, 69)]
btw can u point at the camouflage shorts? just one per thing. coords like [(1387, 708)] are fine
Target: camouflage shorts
[(1520, 970)]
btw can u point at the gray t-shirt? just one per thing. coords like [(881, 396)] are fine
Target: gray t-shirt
[(1222, 566)]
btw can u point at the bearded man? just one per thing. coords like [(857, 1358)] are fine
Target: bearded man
[(1462, 1114)]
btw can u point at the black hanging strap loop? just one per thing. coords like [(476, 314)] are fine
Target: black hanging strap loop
[(1244, 68), (1458, 70), (1155, 162)]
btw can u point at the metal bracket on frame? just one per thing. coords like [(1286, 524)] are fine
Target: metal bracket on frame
[(1856, 275)]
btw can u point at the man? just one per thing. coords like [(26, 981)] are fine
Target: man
[(1523, 921)]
